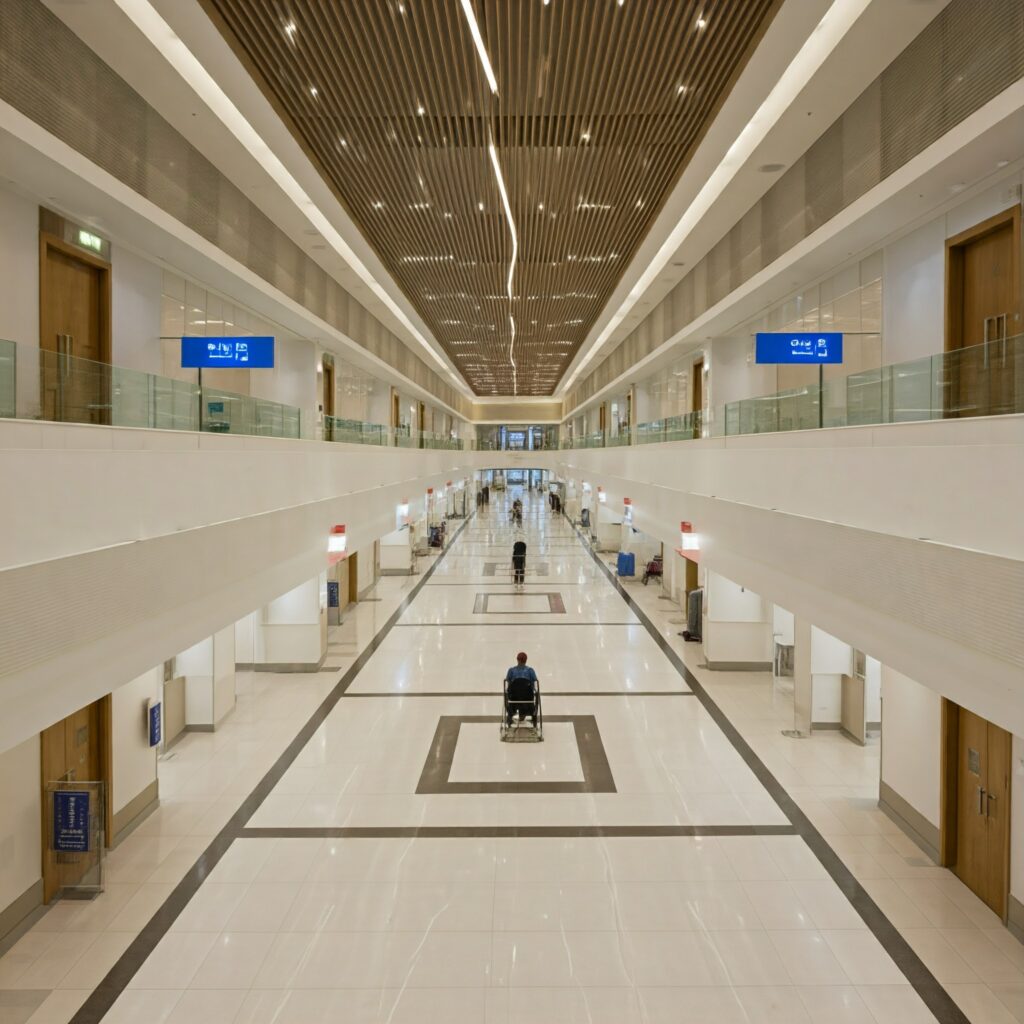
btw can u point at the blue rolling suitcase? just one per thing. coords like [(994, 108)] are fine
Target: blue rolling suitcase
[(627, 563)]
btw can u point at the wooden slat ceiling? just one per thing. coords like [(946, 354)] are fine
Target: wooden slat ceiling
[(599, 105)]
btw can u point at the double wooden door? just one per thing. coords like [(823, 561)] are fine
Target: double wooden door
[(983, 316), (72, 750), (74, 334), (983, 808)]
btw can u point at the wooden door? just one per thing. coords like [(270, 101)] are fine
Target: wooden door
[(982, 314), (697, 390), (602, 418), (74, 334), (72, 750), (982, 808), (396, 410), (329, 386), (353, 578)]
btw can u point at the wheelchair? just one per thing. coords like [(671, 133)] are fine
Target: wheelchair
[(655, 569), (521, 731)]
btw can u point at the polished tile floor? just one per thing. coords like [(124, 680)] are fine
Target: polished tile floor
[(502, 891)]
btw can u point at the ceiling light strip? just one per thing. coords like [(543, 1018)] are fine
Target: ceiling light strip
[(827, 35), (512, 262), (478, 40)]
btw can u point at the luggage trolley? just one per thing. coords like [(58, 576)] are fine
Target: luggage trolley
[(520, 731)]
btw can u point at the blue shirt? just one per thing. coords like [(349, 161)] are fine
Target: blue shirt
[(517, 672)]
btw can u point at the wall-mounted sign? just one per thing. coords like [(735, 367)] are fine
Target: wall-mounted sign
[(810, 347), (154, 723), (71, 820), (256, 353), (337, 544), (333, 594), (627, 510), (88, 240)]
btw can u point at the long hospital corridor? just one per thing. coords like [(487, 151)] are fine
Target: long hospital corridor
[(399, 863)]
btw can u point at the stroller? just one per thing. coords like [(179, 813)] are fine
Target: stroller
[(516, 708), (655, 568)]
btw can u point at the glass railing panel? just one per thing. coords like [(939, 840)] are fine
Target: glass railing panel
[(8, 379)]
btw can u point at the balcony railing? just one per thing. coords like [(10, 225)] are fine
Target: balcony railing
[(981, 380), (65, 389)]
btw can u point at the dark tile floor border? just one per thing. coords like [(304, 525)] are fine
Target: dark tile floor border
[(547, 693), (514, 831), (556, 606), (939, 1002), (513, 625), (597, 773), (103, 997)]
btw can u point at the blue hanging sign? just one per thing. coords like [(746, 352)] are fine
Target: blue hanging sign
[(71, 820), (256, 353), (808, 347), (154, 721)]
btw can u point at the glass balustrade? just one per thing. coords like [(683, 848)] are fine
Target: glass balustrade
[(8, 366)]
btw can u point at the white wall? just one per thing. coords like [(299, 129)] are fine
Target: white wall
[(291, 624), (737, 622), (134, 760), (911, 736), (135, 297), (19, 290), (20, 820)]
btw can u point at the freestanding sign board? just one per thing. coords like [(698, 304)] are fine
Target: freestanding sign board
[(71, 820)]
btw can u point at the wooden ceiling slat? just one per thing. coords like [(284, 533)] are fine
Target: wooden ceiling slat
[(563, 68)]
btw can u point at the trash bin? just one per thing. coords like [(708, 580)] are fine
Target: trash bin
[(627, 563)]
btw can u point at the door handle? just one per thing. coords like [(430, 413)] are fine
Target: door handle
[(981, 800), (1001, 325), (988, 809)]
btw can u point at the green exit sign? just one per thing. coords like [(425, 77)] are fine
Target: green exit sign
[(90, 241)]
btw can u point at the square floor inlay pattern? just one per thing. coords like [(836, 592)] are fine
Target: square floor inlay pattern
[(479, 759), (436, 777), (519, 604)]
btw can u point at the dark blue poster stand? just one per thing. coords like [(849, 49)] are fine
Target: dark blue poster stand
[(71, 821)]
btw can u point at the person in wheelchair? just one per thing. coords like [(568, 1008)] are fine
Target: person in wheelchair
[(521, 688)]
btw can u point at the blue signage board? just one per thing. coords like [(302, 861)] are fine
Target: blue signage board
[(333, 594), (154, 720), (232, 353), (809, 347), (71, 820)]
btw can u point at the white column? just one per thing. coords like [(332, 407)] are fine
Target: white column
[(209, 671)]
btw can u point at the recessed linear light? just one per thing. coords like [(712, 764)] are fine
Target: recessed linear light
[(682, 90), (313, 91), (378, 205), (583, 205), (480, 207), (342, 142), (290, 29), (478, 41)]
